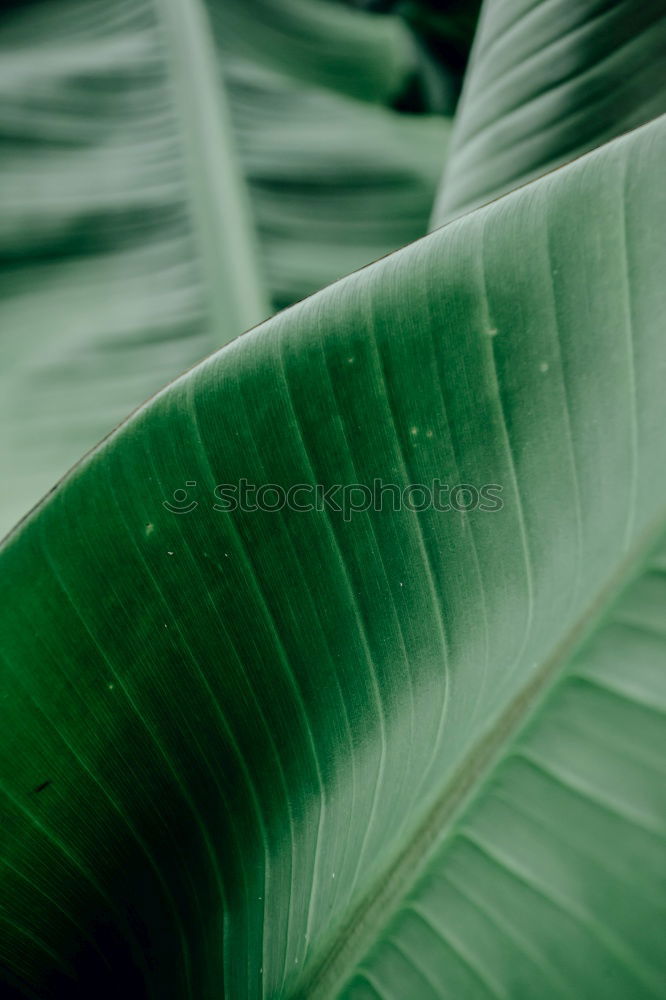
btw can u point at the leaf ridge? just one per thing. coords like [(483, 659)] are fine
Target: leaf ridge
[(470, 779)]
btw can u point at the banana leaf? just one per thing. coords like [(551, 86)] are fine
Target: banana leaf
[(364, 752), (166, 183), (547, 81)]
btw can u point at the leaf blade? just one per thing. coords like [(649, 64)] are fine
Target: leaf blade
[(338, 708), (545, 84)]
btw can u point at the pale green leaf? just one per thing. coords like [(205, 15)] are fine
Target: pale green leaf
[(547, 81), (126, 236)]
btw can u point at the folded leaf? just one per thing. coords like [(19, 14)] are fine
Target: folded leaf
[(270, 753)]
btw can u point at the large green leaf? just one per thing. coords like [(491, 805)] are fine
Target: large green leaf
[(549, 80), (270, 754), (126, 239)]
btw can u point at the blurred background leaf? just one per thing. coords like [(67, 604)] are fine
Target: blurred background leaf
[(171, 174), (444, 31)]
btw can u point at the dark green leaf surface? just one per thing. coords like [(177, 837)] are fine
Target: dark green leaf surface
[(547, 81), (445, 33), (280, 754)]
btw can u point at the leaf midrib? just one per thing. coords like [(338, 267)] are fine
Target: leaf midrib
[(219, 202), (377, 908)]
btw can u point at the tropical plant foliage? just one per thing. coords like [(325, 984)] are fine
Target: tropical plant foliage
[(172, 173), (406, 755)]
